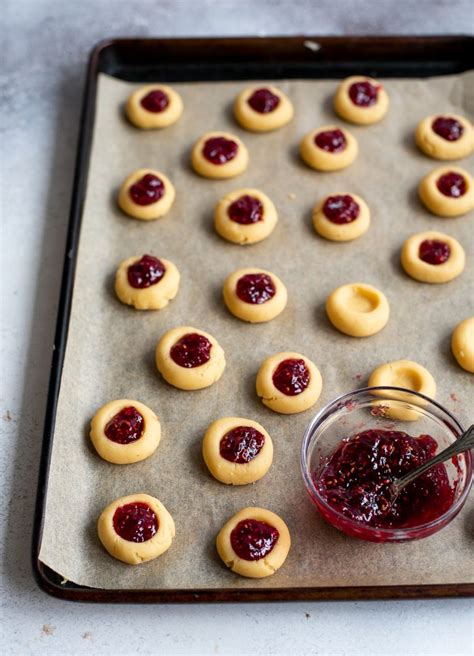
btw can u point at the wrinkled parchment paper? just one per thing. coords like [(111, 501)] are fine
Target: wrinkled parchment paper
[(110, 349)]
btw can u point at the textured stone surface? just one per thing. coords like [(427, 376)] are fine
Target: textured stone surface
[(44, 56)]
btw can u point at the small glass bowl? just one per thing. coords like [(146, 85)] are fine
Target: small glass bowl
[(383, 408)]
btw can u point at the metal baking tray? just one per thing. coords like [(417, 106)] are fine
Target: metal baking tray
[(198, 60)]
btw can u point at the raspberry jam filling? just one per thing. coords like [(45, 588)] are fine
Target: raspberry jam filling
[(452, 184), (241, 444), (135, 522), (252, 540), (255, 288), (125, 427), (355, 480), (363, 94), (148, 190), (332, 141), (448, 128), (156, 101), (291, 377), (245, 210), (192, 350), (219, 150), (149, 270), (263, 101), (434, 251), (341, 209)]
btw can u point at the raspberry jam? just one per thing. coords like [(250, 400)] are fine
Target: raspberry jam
[(245, 210), (363, 94), (192, 350), (147, 271), (125, 427), (332, 141), (241, 444), (156, 101), (447, 128), (219, 150), (452, 184), (135, 522), (355, 480), (291, 377), (263, 101), (341, 209), (252, 540), (255, 288), (148, 190), (434, 251)]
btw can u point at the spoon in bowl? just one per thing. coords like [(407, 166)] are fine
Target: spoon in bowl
[(463, 443)]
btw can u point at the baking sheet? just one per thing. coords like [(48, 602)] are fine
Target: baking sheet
[(110, 350)]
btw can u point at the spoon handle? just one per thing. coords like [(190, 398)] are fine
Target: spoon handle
[(464, 443)]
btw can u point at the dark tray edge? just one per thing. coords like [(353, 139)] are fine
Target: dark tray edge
[(44, 576)]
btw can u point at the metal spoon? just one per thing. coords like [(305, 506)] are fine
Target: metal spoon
[(464, 443)]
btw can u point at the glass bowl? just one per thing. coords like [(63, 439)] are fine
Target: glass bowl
[(389, 408)]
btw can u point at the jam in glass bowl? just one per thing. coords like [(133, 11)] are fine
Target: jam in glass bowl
[(361, 441)]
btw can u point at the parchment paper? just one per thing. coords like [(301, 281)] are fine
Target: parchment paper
[(110, 350)]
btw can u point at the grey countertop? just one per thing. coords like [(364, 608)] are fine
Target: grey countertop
[(45, 52)]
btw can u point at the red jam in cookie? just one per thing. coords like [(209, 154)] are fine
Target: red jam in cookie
[(148, 190), (263, 101), (252, 540), (192, 350), (332, 141), (291, 377), (241, 444), (135, 522), (245, 210), (125, 427), (341, 209), (147, 271), (363, 94), (452, 184), (447, 128), (156, 101), (219, 150), (255, 288), (355, 479), (434, 251)]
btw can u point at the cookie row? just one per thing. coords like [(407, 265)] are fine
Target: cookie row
[(358, 99)]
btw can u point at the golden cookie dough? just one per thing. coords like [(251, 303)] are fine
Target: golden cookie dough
[(462, 344), (409, 375), (432, 273), (255, 312), (129, 551), (436, 146), (442, 205), (145, 119), (116, 452), (154, 297), (362, 115), (271, 561), (227, 471), (229, 169), (146, 212), (277, 400), (192, 378), (357, 309), (245, 233), (256, 121), (323, 160), (341, 231)]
